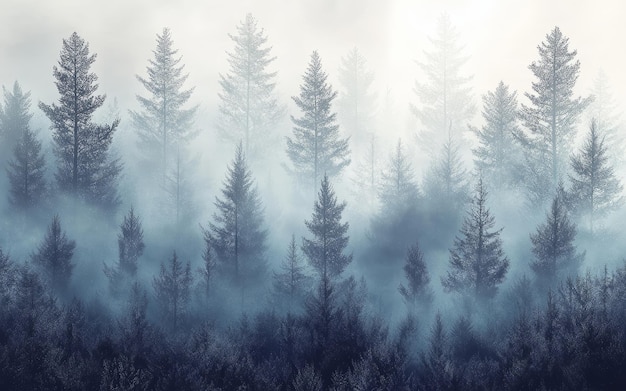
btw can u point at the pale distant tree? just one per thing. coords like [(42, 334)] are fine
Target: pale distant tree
[(54, 257), (26, 168), (477, 261), (498, 155), (291, 283), (356, 102), (366, 176), (164, 122), (595, 190), (445, 99), (549, 121), (398, 188), (605, 111), (85, 167), (316, 147), (172, 290), (249, 105)]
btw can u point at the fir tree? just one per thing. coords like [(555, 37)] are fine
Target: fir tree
[(237, 234), (398, 189), (85, 167), (445, 97), (249, 104), (207, 271), (595, 190), (605, 111), (356, 102), (416, 291), (497, 156), (477, 262), (172, 289), (26, 168), (316, 146), (54, 257), (291, 283), (553, 246), (553, 112), (163, 122)]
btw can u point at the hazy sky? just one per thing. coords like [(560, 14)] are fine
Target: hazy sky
[(500, 37)]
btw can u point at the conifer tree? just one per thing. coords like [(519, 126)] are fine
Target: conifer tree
[(85, 167), (130, 249), (398, 188), (417, 277), (445, 99), (249, 105), (54, 257), (316, 146), (477, 262), (26, 168), (498, 155), (172, 289), (237, 234), (356, 101), (605, 111), (553, 246), (366, 176), (207, 271), (595, 190), (164, 123), (291, 283), (549, 121)]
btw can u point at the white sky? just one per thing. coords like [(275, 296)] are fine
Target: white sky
[(500, 37)]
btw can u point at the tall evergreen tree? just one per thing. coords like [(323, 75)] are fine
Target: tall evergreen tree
[(498, 155), (416, 291), (477, 262), (553, 246), (356, 103), (85, 167), (130, 248), (553, 112), (172, 289), (249, 105), (291, 283), (595, 190), (26, 168), (445, 97), (164, 123), (237, 234), (605, 111), (316, 146), (54, 257)]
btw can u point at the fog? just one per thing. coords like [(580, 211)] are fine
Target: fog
[(499, 41)]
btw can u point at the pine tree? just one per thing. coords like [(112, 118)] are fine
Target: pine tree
[(316, 146), (292, 282), (26, 168), (163, 123), (172, 289), (356, 102), (604, 109), (130, 248), (416, 291), (498, 155), (207, 271), (85, 167), (249, 105), (595, 189), (553, 246), (445, 98), (134, 325), (477, 262), (553, 112), (54, 257), (398, 189), (237, 234)]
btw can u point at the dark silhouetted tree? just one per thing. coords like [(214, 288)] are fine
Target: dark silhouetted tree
[(135, 329), (356, 103), (54, 257), (316, 146), (130, 248), (553, 112), (172, 290), (237, 234), (595, 190), (498, 154), (291, 283), (85, 167), (416, 292), (477, 262), (164, 123), (249, 104), (553, 246), (445, 99), (26, 169), (208, 269)]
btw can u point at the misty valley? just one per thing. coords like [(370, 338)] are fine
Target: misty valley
[(291, 243)]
